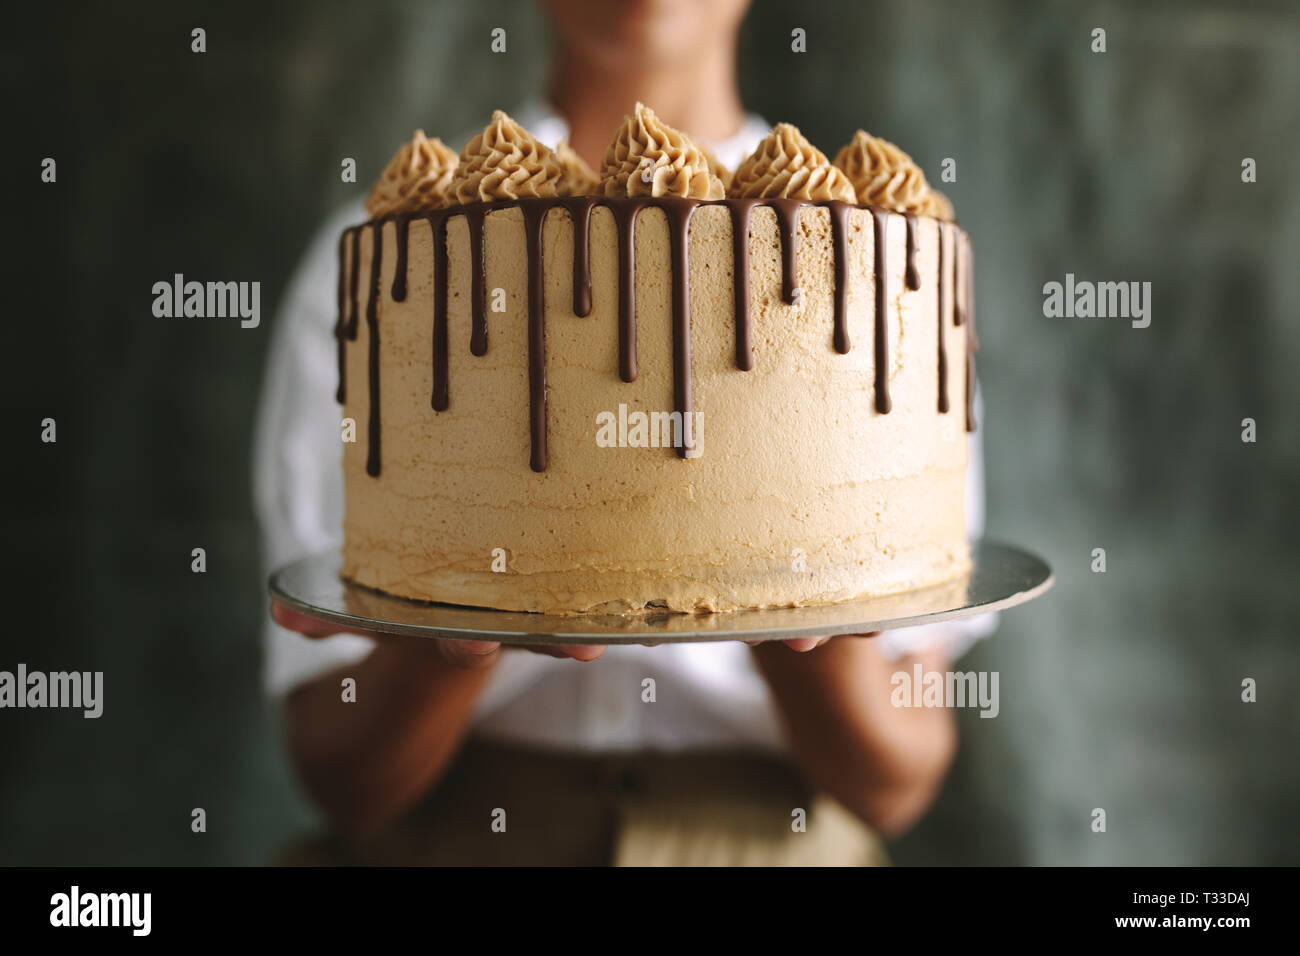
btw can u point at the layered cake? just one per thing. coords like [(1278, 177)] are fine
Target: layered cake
[(660, 384)]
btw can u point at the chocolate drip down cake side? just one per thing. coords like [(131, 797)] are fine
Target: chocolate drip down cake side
[(664, 385)]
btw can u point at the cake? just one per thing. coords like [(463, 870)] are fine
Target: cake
[(656, 385)]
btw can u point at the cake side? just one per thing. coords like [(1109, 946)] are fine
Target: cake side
[(802, 491)]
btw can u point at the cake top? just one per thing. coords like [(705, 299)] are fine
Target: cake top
[(649, 158)]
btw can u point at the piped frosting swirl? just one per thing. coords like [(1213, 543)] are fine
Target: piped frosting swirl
[(650, 158), (505, 161), (883, 175), (786, 166), (418, 177)]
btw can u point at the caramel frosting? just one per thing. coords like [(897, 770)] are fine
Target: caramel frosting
[(650, 158), (505, 161), (418, 177), (817, 355), (577, 179), (796, 458), (883, 175), (786, 166)]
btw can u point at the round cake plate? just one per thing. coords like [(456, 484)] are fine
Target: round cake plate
[(1001, 576)]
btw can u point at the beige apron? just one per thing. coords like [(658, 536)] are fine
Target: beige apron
[(507, 805)]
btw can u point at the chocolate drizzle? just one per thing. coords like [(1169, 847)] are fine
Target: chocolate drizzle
[(399, 274), (911, 278), (580, 211), (957, 317), (440, 396), (625, 212), (478, 336), (354, 282), (972, 341), (839, 239), (943, 352), (787, 228), (340, 329), (740, 276), (534, 218), (880, 219), (787, 221), (679, 224), (345, 330), (372, 333)]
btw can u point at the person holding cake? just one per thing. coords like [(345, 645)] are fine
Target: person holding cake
[(464, 752)]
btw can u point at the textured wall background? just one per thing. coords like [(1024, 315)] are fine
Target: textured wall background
[(1118, 690)]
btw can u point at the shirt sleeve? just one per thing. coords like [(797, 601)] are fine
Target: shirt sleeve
[(955, 636), (297, 477)]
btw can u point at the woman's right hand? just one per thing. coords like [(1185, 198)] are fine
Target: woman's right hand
[(470, 654)]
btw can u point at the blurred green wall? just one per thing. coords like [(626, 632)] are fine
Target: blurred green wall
[(1119, 690)]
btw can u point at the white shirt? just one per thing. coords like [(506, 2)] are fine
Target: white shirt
[(707, 695)]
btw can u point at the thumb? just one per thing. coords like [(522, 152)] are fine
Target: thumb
[(306, 626)]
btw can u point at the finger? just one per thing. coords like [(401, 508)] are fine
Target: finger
[(469, 653), (302, 623), (803, 645), (577, 652)]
